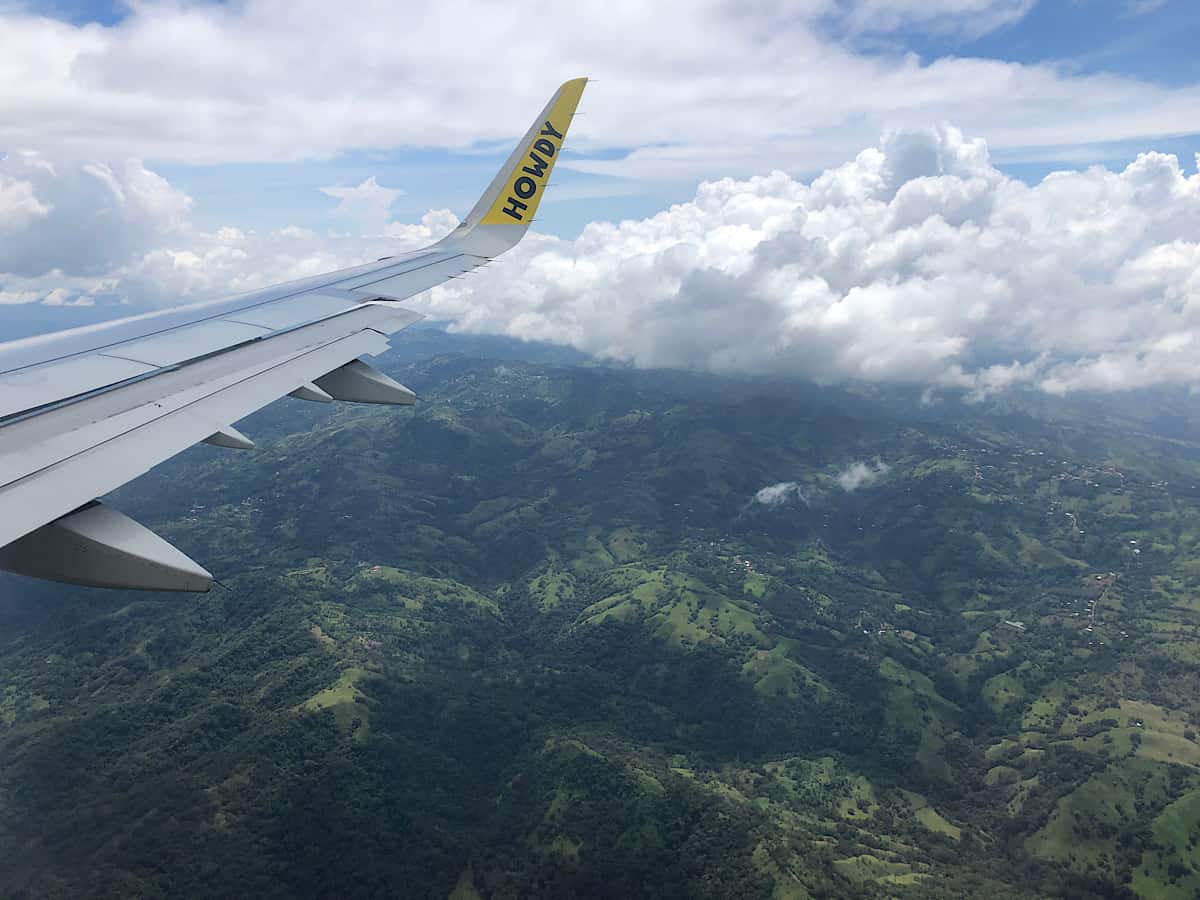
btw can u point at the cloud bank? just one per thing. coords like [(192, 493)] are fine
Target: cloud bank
[(915, 262), (86, 232), (81, 218)]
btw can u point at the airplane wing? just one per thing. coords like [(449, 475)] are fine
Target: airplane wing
[(84, 411)]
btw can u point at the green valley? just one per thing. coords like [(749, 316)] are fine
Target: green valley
[(544, 637)]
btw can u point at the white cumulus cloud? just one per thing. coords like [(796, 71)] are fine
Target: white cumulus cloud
[(860, 474), (918, 261), (82, 218), (19, 205), (75, 231), (369, 204)]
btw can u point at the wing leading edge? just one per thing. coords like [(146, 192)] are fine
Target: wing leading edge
[(84, 411)]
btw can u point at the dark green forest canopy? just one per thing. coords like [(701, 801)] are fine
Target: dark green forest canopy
[(537, 638)]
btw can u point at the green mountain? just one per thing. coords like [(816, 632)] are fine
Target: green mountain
[(543, 637)]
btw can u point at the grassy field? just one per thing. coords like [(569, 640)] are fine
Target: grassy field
[(347, 702)]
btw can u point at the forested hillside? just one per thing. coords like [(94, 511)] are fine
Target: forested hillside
[(572, 631)]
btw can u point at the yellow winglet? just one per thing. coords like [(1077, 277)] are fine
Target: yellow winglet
[(513, 196), (523, 179)]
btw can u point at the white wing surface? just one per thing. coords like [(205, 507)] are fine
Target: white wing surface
[(84, 411)]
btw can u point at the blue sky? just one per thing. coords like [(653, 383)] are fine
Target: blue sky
[(1092, 34), (1157, 44), (271, 195)]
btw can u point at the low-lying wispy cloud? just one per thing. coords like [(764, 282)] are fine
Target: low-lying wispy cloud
[(781, 493), (860, 474)]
